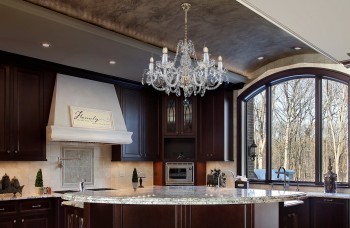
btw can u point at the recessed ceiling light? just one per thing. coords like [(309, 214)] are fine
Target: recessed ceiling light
[(297, 48), (45, 44), (112, 62), (348, 54), (261, 58)]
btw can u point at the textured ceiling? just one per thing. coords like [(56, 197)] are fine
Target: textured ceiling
[(226, 27)]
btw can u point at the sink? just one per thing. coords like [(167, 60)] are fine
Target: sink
[(65, 191), (291, 203), (100, 189)]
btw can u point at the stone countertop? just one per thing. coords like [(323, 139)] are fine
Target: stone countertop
[(10, 196), (184, 195), (328, 195)]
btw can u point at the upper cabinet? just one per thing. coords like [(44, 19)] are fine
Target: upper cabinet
[(216, 125), (179, 118), (25, 99), (140, 108)]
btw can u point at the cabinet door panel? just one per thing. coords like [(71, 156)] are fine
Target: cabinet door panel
[(4, 111), (170, 113), (131, 108), (329, 212), (8, 223), (35, 222), (148, 216), (29, 109), (150, 124)]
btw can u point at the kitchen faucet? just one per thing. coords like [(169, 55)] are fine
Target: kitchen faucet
[(297, 180), (82, 185), (284, 177), (220, 174)]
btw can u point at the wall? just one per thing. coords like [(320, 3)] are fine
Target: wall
[(106, 173)]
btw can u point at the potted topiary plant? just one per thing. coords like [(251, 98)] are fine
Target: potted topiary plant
[(39, 182), (134, 179)]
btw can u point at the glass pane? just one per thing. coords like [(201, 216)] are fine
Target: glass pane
[(335, 128), (187, 117), (171, 115), (293, 129), (256, 130)]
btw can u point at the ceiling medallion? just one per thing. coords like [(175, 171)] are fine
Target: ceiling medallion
[(185, 72)]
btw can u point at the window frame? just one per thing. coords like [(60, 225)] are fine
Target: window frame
[(265, 84)]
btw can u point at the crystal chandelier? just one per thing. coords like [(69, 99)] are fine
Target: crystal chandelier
[(185, 72)]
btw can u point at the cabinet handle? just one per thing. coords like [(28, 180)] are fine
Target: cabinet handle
[(2, 209), (8, 151), (328, 200), (22, 220), (14, 221), (36, 206), (76, 216)]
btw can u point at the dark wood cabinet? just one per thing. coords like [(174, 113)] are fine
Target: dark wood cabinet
[(329, 212), (73, 217), (116, 215), (31, 213), (216, 125), (25, 99), (179, 117), (294, 216), (140, 109)]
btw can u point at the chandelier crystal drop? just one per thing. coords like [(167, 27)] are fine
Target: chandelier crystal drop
[(185, 72)]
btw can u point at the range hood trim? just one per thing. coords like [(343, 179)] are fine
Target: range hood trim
[(72, 134)]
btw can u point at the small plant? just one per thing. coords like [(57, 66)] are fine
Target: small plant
[(39, 179), (134, 175)]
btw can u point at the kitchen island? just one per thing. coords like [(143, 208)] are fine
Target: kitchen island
[(177, 206)]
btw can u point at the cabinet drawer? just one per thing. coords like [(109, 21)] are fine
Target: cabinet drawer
[(35, 205), (8, 207)]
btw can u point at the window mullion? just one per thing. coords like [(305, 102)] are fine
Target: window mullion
[(318, 130), (268, 132)]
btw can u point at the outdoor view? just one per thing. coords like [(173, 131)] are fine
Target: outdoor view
[(293, 129)]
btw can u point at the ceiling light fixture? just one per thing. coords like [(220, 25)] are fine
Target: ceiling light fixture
[(297, 48), (185, 72), (112, 62), (261, 58), (45, 44)]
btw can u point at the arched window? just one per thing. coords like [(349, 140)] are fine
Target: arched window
[(298, 120)]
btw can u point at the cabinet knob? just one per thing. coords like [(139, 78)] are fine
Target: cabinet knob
[(8, 151), (14, 221), (22, 220), (16, 151), (76, 216)]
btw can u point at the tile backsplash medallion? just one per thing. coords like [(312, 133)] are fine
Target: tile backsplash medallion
[(106, 173)]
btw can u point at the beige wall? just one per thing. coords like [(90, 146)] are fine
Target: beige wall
[(106, 173)]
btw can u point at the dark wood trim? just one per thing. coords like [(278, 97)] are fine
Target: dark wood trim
[(318, 130)]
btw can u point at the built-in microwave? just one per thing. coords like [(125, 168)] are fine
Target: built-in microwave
[(179, 173)]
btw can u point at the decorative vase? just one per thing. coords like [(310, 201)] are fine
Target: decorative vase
[(329, 180), (134, 185)]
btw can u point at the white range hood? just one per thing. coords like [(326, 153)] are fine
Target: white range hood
[(86, 111)]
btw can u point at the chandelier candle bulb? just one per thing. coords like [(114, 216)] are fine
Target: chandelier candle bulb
[(219, 63), (165, 56), (205, 55), (151, 64)]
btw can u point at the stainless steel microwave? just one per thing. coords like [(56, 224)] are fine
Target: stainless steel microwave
[(179, 173)]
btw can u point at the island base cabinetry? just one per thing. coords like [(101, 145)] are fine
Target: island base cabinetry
[(129, 216)]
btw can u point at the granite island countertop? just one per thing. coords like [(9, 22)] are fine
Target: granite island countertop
[(184, 195)]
